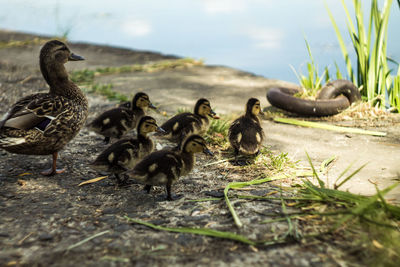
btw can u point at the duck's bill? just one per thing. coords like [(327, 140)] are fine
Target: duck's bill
[(208, 152), (75, 57), (161, 130), (152, 106), (213, 115)]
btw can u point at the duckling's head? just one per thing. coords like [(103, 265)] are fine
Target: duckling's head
[(195, 144), (253, 107), (142, 100), (147, 125), (53, 55), (203, 108)]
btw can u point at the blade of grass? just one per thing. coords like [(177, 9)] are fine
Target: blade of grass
[(315, 174), (87, 240), (360, 209), (234, 185), (344, 171), (349, 177), (197, 231), (328, 127), (325, 163)]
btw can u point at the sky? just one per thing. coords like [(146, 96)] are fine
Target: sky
[(264, 37)]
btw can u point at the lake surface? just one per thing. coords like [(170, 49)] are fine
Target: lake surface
[(264, 37)]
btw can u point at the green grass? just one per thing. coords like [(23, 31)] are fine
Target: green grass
[(276, 163), (312, 81), (87, 76), (105, 90), (329, 127), (34, 41), (217, 133), (370, 71)]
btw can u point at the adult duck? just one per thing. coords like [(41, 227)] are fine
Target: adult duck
[(43, 123)]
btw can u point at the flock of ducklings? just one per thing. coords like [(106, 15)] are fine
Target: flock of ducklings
[(43, 123)]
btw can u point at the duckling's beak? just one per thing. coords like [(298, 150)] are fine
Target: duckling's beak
[(213, 114), (161, 130), (261, 113), (208, 152), (74, 57), (152, 106)]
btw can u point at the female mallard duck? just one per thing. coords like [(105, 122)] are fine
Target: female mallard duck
[(184, 124), (245, 133), (117, 122), (43, 123), (124, 154), (164, 167)]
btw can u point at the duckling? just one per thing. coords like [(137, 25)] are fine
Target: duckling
[(43, 123), (182, 125), (164, 167), (124, 154), (245, 133), (117, 122)]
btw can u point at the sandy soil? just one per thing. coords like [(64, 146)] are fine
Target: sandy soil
[(42, 216)]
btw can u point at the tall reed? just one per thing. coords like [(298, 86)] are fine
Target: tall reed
[(372, 73)]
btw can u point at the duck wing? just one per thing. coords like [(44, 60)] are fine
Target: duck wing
[(179, 122), (33, 111)]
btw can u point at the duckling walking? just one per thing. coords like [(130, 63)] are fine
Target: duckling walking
[(117, 122), (43, 123), (124, 154), (182, 125), (245, 133), (164, 167)]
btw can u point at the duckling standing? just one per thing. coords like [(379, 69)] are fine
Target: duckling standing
[(182, 125), (43, 123), (164, 167), (117, 122), (245, 133), (124, 154)]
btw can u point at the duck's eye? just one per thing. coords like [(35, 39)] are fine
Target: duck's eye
[(63, 48)]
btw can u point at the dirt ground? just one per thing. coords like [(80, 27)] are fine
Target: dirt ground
[(41, 217)]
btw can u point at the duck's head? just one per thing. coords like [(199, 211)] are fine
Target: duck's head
[(53, 55), (203, 108), (196, 144), (142, 100), (253, 107), (147, 125)]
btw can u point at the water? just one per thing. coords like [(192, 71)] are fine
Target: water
[(264, 37)]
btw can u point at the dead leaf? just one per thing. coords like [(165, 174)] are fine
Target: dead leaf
[(377, 244), (93, 180), (23, 174), (21, 182)]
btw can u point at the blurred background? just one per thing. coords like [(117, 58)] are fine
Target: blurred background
[(263, 37)]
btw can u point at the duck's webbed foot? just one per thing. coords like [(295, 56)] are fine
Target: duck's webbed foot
[(53, 170), (169, 195)]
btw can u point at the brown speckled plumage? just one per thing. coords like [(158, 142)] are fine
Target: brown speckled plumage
[(44, 123)]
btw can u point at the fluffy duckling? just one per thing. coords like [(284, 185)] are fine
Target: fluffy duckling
[(43, 123), (117, 122), (164, 167), (124, 154), (245, 133), (182, 125)]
